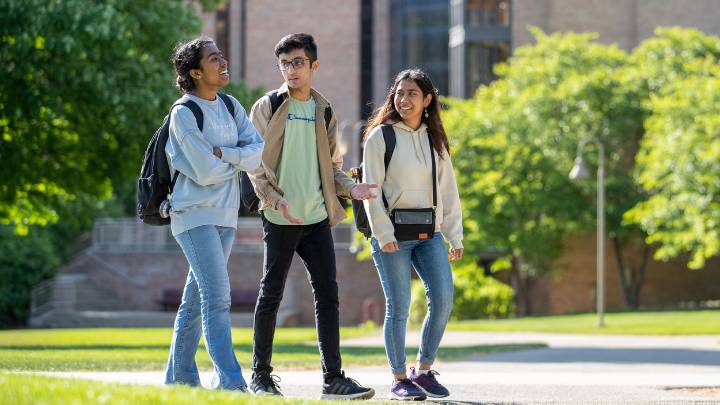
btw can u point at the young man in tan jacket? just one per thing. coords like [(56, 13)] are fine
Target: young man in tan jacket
[(298, 185)]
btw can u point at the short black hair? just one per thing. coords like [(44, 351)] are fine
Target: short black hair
[(187, 56), (300, 40)]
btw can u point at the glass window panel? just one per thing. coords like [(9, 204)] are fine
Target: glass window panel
[(424, 47), (222, 30), (424, 37), (481, 57), (487, 12)]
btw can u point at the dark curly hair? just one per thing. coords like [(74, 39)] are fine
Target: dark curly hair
[(187, 56)]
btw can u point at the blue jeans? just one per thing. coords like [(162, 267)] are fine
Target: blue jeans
[(205, 308), (430, 259)]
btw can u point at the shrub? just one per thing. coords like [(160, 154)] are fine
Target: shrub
[(476, 296), (24, 262)]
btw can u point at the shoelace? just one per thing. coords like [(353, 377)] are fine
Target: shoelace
[(405, 384), (271, 380), (349, 380), (431, 374)]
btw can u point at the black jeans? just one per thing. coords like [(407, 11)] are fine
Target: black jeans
[(314, 244)]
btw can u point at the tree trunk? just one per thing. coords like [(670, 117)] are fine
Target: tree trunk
[(631, 277), (520, 282)]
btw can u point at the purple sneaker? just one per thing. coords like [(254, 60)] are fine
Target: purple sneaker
[(428, 384), (405, 390)]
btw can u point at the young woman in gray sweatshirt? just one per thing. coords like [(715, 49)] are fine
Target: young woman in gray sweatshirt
[(204, 213)]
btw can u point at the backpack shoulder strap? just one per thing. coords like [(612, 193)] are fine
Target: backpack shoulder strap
[(275, 100), (197, 112), (228, 103), (199, 118), (328, 117), (389, 138)]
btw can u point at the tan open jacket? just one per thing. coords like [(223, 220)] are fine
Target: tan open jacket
[(333, 179)]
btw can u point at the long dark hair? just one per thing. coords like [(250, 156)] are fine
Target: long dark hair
[(388, 112), (187, 56)]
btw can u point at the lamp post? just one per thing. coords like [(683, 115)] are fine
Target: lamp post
[(578, 172)]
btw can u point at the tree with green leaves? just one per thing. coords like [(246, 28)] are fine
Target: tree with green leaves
[(515, 142), (678, 164), (84, 86), (657, 108)]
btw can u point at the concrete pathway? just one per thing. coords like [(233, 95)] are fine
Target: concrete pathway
[(573, 369)]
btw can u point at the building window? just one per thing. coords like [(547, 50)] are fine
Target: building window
[(420, 38), (222, 30), (479, 39), (481, 58), (487, 12)]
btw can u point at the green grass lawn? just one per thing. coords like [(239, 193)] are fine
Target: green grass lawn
[(147, 349), (698, 322), (26, 389)]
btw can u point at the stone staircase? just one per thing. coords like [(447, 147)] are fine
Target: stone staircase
[(91, 297), (74, 301), (121, 279)]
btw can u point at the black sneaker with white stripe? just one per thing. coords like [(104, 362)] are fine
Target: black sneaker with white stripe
[(341, 388), (265, 384)]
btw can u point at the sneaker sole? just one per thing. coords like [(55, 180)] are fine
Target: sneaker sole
[(264, 394), (415, 398), (430, 394), (348, 397)]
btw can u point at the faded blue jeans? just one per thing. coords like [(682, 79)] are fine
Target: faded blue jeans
[(205, 308), (430, 259)]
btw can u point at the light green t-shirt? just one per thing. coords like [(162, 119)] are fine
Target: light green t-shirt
[(298, 170)]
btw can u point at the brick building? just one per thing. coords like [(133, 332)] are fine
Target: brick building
[(623, 22), (364, 43)]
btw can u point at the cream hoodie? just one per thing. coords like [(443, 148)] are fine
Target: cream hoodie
[(408, 183)]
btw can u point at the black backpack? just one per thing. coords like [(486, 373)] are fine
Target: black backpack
[(361, 220), (154, 183), (247, 193)]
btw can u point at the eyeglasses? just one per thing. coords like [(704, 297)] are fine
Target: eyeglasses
[(296, 63)]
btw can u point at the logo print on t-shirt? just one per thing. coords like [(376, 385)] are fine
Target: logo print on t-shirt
[(292, 117)]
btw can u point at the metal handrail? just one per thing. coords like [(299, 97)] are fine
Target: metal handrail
[(41, 297)]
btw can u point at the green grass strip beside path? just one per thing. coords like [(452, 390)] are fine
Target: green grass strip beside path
[(699, 322), (147, 349)]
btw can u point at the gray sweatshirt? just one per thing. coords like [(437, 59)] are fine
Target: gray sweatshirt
[(207, 189)]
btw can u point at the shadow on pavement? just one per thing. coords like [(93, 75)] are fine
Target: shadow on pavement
[(608, 355), (450, 402)]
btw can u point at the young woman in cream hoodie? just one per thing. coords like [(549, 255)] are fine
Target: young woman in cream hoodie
[(412, 108)]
